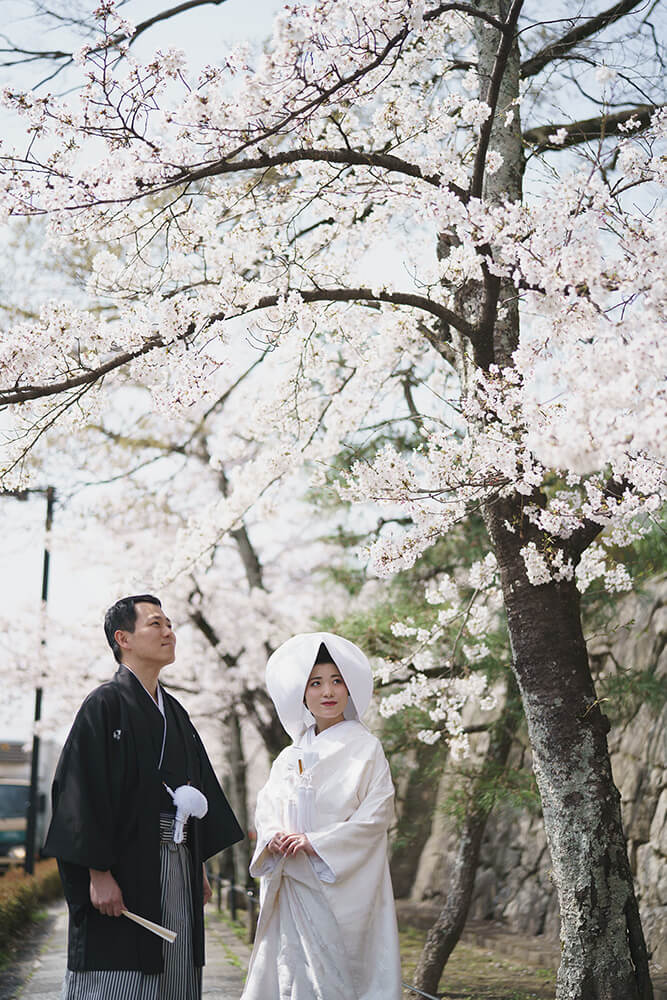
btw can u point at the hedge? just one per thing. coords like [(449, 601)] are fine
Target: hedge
[(21, 895)]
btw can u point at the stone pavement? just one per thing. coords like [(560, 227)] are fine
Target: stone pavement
[(41, 974)]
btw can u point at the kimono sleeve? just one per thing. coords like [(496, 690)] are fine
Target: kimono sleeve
[(268, 819), (86, 788), (348, 847), (219, 828)]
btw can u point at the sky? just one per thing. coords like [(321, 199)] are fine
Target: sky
[(203, 33)]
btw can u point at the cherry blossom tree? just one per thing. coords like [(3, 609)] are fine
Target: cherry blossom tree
[(394, 186)]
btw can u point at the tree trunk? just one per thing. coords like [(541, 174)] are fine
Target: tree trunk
[(604, 955), (239, 795), (446, 931)]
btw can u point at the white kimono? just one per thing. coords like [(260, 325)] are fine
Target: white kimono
[(327, 925)]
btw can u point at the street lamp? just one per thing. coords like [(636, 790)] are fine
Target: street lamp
[(31, 825)]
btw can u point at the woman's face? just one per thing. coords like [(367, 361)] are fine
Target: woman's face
[(326, 695)]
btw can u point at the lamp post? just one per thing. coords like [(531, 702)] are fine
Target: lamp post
[(31, 820), (31, 829)]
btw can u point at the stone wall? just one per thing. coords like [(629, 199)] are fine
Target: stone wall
[(513, 883)]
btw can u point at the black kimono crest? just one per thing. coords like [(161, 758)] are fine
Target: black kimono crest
[(106, 803)]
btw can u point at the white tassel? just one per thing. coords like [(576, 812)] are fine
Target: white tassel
[(189, 801)]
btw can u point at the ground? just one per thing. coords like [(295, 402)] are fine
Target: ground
[(474, 973), (35, 967)]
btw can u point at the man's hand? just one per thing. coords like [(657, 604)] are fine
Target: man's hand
[(208, 892), (105, 893)]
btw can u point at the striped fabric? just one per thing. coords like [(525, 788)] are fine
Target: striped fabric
[(180, 979), (167, 827)]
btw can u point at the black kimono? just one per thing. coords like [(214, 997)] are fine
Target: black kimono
[(107, 796)]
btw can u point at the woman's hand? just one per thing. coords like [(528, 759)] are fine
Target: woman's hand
[(275, 845), (294, 842), (289, 844)]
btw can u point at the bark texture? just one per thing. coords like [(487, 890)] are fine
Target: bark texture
[(604, 956)]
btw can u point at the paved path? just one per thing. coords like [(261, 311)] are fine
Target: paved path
[(41, 973)]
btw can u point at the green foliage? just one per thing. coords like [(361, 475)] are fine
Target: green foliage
[(349, 577), (397, 737), (486, 788), (371, 627), (404, 599), (326, 497), (460, 547), (645, 560), (21, 895), (648, 556), (623, 693)]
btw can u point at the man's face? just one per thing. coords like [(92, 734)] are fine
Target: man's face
[(153, 643)]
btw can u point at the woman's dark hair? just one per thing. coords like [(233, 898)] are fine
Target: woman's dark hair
[(123, 615), (324, 656)]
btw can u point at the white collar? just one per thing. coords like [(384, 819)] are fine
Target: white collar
[(159, 703), (158, 700)]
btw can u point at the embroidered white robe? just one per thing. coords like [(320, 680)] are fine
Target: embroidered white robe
[(327, 927)]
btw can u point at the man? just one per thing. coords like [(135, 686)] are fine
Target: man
[(112, 829)]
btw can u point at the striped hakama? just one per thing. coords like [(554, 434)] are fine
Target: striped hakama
[(181, 979)]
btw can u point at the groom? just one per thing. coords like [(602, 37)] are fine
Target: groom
[(112, 826)]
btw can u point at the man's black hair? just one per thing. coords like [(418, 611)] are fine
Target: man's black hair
[(123, 615)]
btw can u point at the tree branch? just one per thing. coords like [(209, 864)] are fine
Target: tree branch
[(465, 8), (67, 58), (364, 295), (164, 15), (17, 394), (584, 536), (325, 93), (251, 564), (591, 26), (22, 394), (198, 618), (590, 129), (506, 41), (348, 157)]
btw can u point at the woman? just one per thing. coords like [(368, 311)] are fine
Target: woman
[(327, 924)]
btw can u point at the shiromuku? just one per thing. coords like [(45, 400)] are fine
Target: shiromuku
[(327, 924)]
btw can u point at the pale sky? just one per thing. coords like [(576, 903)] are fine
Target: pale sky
[(203, 33)]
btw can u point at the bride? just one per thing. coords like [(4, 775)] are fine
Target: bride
[(327, 923)]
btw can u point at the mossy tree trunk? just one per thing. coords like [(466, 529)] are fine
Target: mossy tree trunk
[(604, 955), (603, 951)]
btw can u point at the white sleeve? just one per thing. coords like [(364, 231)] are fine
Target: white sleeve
[(268, 820)]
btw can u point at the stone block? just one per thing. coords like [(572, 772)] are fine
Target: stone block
[(651, 876), (634, 743), (658, 835), (654, 921), (526, 912), (656, 740), (484, 895), (628, 774), (661, 665)]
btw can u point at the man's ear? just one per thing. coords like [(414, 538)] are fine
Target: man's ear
[(120, 635)]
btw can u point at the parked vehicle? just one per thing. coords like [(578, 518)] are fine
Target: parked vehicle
[(15, 761)]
